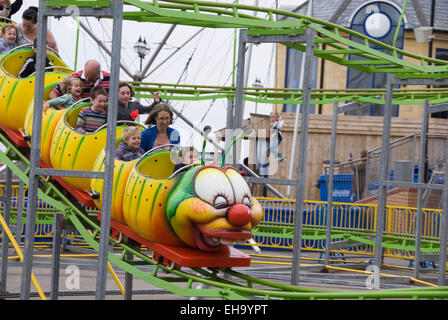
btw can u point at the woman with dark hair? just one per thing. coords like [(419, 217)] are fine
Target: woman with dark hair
[(28, 30), (130, 110), (160, 132)]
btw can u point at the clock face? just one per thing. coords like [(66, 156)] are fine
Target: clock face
[(377, 25)]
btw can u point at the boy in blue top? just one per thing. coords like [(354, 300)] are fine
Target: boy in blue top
[(130, 148)]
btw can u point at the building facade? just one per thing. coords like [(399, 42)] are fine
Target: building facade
[(360, 130)]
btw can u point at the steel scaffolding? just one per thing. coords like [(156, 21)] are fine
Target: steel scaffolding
[(114, 9), (308, 39)]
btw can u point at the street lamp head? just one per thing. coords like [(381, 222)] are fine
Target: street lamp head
[(257, 83), (141, 48)]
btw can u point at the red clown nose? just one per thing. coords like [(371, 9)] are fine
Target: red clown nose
[(239, 215)]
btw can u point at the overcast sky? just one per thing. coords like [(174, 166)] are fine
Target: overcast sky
[(211, 54)]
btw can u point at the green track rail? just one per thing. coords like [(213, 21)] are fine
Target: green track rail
[(339, 46), (181, 282), (340, 42), (182, 92), (391, 240)]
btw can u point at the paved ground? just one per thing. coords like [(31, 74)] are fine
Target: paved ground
[(271, 266)]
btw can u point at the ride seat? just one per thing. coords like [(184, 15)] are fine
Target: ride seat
[(13, 63), (156, 165)]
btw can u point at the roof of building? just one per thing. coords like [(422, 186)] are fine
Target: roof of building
[(417, 14)]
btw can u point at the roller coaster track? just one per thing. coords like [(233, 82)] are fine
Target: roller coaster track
[(340, 44), (182, 282), (391, 240), (181, 92), (372, 56)]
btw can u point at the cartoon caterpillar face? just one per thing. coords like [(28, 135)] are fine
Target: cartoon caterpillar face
[(212, 208), (202, 207)]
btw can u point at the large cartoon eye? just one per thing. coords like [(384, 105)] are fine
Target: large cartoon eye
[(246, 201), (220, 202), (213, 186), (240, 188)]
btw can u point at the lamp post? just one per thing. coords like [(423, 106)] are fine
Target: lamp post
[(257, 84), (142, 50)]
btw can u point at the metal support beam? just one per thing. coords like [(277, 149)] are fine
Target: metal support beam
[(384, 171), (420, 14), (421, 176), (5, 240), (438, 108), (20, 203), (156, 53), (70, 173), (352, 106), (128, 278), (257, 179), (235, 110), (103, 46), (282, 182), (444, 228), (56, 256), (35, 152), (420, 81), (239, 88), (229, 129), (330, 182), (97, 12), (110, 150), (415, 185), (174, 52), (301, 170), (273, 38)]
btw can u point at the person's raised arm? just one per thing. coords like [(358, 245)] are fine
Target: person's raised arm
[(148, 109), (15, 7), (51, 41), (56, 92)]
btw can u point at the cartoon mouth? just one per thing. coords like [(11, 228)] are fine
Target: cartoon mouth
[(210, 241)]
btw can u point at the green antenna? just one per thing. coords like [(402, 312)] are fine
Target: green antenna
[(206, 131), (247, 131)]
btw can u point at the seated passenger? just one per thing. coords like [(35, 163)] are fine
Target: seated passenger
[(91, 76), (92, 117), (5, 12), (28, 29), (188, 155), (72, 88), (30, 64), (130, 149), (160, 133), (129, 110), (9, 39)]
